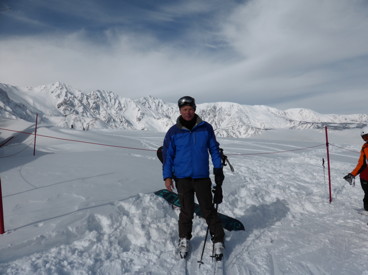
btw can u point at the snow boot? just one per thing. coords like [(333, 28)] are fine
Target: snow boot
[(218, 251), (183, 247)]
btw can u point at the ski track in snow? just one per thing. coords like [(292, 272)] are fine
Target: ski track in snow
[(78, 209)]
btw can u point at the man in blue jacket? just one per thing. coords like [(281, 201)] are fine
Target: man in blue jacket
[(186, 150)]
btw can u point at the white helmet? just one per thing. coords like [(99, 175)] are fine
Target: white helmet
[(364, 132)]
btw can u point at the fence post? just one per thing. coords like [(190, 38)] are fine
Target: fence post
[(35, 135), (328, 165), (2, 230)]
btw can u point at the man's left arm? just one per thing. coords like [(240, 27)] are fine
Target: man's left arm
[(214, 148)]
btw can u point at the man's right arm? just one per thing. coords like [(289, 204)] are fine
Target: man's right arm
[(167, 166)]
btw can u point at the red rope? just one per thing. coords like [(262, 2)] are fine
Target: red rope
[(80, 141), (143, 149), (275, 152), (354, 151), (95, 143)]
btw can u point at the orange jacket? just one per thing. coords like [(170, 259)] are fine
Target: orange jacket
[(361, 167)]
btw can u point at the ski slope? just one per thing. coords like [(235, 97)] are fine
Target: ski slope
[(88, 208)]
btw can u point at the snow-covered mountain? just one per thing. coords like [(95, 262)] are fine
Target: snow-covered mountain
[(60, 105)]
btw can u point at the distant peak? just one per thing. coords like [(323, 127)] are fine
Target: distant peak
[(59, 84)]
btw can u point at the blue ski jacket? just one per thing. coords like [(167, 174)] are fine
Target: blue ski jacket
[(186, 152)]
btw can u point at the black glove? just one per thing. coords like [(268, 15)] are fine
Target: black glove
[(219, 176), (349, 178), (217, 197)]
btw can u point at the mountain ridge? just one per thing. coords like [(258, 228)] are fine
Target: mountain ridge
[(61, 105)]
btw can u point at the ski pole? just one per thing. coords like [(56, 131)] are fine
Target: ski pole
[(205, 240), (231, 167), (204, 245), (213, 244), (225, 159)]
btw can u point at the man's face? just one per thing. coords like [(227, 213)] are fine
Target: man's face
[(365, 138), (187, 112)]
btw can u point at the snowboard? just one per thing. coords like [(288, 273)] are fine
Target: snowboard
[(228, 223)]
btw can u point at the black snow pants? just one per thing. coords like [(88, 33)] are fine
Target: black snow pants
[(364, 185), (202, 188)]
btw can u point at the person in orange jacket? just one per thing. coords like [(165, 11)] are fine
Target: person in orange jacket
[(362, 168)]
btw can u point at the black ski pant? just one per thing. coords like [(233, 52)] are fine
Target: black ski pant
[(202, 188), (364, 184)]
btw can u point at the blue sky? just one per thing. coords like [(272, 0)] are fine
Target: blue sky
[(281, 53)]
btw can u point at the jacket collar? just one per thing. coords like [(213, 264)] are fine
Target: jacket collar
[(181, 126)]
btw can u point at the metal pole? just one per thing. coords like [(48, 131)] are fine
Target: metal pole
[(35, 135), (2, 229), (328, 165)]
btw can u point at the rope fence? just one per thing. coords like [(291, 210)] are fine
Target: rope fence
[(35, 134), (153, 150), (276, 152), (76, 140)]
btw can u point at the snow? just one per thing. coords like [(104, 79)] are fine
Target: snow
[(87, 208), (60, 105)]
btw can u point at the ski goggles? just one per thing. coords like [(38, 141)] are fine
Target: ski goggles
[(186, 101)]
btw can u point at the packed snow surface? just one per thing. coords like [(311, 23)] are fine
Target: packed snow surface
[(89, 208)]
